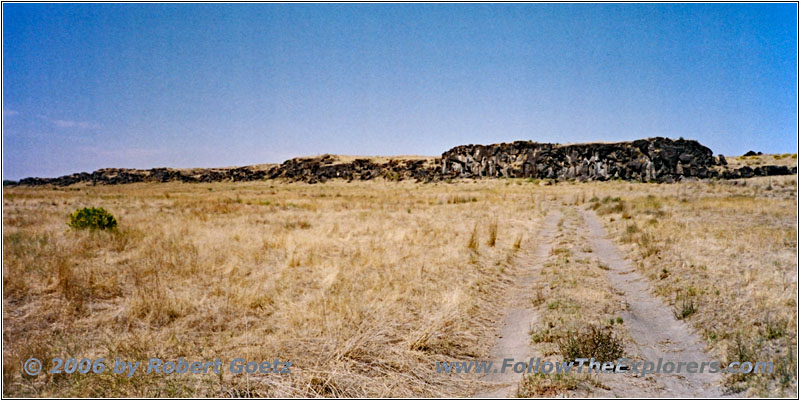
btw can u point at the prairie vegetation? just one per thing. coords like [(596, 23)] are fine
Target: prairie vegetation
[(578, 313), (365, 285), (725, 256), (784, 159), (576, 303)]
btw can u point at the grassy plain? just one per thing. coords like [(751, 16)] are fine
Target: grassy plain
[(365, 285)]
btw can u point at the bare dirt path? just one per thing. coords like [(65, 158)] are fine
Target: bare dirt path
[(514, 340), (655, 331)]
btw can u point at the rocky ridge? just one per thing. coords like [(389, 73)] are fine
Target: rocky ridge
[(653, 159)]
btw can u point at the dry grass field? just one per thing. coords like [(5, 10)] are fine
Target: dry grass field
[(785, 159), (365, 285), (725, 255)]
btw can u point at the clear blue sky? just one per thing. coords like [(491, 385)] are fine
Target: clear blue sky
[(87, 86)]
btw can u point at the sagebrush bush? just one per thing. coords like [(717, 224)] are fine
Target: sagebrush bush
[(92, 218), (592, 342)]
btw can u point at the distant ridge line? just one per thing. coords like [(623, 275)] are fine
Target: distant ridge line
[(647, 160)]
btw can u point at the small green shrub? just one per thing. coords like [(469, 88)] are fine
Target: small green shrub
[(773, 328), (684, 307), (737, 352), (592, 342), (92, 218)]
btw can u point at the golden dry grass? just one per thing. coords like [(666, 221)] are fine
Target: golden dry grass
[(725, 256), (363, 285), (783, 159)]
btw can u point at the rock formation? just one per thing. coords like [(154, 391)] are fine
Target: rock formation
[(653, 159), (323, 168), (128, 176)]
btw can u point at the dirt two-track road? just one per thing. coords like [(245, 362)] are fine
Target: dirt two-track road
[(655, 332)]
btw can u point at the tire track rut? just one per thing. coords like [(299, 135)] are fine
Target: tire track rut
[(655, 331), (514, 334)]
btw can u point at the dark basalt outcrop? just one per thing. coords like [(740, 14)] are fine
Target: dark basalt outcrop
[(653, 159), (747, 172), (321, 169), (128, 176)]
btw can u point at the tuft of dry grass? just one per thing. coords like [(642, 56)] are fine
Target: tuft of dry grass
[(550, 385), (492, 234)]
